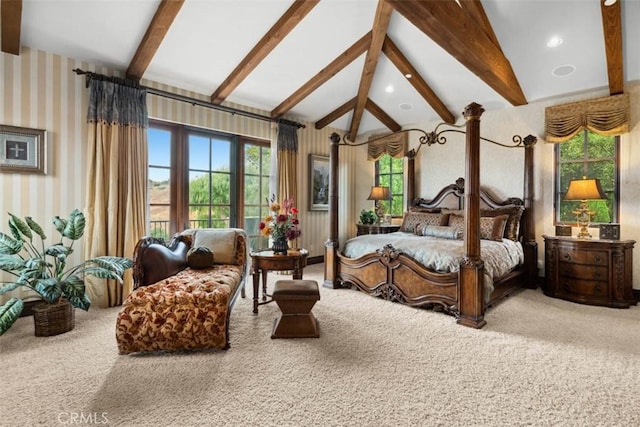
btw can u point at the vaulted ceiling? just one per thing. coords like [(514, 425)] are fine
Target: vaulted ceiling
[(357, 65)]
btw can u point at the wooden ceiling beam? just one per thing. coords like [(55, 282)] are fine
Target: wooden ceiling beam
[(287, 22), (370, 106), (157, 29), (378, 33), (11, 24), (612, 29), (404, 66), (336, 114), (379, 114), (456, 30), (337, 65), (477, 13)]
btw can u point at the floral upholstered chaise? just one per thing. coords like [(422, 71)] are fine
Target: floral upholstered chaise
[(183, 291)]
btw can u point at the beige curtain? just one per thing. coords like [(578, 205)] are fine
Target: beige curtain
[(394, 144), (287, 162), (606, 116), (116, 181), (288, 165)]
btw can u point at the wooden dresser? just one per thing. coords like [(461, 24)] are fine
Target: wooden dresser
[(376, 228), (596, 272)]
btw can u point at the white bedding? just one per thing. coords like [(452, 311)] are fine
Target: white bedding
[(442, 255)]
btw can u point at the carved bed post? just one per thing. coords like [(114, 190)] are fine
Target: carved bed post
[(529, 244), (471, 277), (331, 245), (411, 178)]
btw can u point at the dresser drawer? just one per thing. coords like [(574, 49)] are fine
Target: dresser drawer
[(580, 287), (597, 272), (577, 256), (583, 271)]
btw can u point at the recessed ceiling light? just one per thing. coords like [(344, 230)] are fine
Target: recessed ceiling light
[(563, 70), (405, 106), (609, 2), (554, 41), (389, 89), (408, 75)]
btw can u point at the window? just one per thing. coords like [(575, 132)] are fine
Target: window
[(206, 179), (257, 169), (390, 173), (159, 144), (594, 156)]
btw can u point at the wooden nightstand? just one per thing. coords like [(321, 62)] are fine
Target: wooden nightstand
[(596, 272), (376, 228)]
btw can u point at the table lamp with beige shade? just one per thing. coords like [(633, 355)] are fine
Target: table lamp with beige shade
[(379, 193), (583, 190)]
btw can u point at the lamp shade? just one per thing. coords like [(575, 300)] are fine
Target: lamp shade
[(379, 193), (585, 189)]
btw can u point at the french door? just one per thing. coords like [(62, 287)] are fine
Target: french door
[(205, 179)]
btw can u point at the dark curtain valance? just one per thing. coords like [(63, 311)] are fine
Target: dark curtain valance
[(287, 137), (115, 103), (394, 145), (605, 116)]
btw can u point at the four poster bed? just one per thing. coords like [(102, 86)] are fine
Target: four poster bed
[(393, 270)]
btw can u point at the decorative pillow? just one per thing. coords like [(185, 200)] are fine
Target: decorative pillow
[(512, 228), (457, 222), (222, 242), (412, 219), (200, 257), (453, 211), (492, 228), (442, 231)]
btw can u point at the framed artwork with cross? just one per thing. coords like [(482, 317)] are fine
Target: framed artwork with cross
[(23, 150)]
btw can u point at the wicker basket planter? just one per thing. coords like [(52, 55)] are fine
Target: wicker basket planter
[(53, 319)]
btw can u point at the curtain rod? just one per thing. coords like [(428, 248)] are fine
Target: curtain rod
[(194, 101)]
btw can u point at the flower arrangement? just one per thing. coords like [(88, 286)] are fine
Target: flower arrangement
[(282, 220)]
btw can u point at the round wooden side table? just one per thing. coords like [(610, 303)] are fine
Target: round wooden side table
[(263, 261)]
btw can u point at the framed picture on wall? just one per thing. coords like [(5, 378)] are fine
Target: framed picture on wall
[(318, 183), (22, 150)]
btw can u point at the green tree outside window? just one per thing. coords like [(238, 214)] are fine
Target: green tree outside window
[(225, 179), (390, 173), (594, 156)]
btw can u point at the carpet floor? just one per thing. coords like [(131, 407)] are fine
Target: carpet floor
[(539, 361)]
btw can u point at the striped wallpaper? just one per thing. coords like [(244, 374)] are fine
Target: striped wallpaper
[(40, 90)]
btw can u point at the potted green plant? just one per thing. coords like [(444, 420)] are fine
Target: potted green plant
[(44, 270), (367, 217)]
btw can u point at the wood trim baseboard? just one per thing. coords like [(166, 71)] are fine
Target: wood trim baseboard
[(315, 260)]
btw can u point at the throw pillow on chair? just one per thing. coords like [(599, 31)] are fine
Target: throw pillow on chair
[(200, 257)]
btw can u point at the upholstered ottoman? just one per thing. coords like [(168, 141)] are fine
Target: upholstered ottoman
[(295, 298)]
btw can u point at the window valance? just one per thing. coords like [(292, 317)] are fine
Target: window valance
[(287, 137), (394, 145), (117, 103), (605, 116)]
